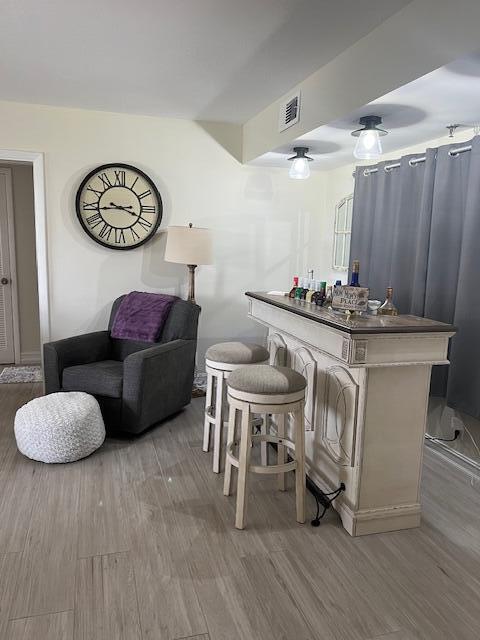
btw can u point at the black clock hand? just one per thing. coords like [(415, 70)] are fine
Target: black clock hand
[(115, 206), (118, 208)]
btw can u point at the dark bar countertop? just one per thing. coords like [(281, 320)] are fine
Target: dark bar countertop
[(356, 324)]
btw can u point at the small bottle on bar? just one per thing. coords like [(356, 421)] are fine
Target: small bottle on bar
[(304, 289), (355, 273), (298, 292), (294, 288), (329, 297), (388, 308), (310, 292), (322, 294), (316, 293)]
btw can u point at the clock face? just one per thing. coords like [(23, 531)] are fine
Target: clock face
[(119, 206)]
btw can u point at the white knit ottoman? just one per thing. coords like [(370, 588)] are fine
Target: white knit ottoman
[(60, 427)]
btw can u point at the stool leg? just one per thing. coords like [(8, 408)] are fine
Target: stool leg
[(227, 482), (243, 465), (218, 426), (264, 445), (281, 451), (300, 479), (208, 404)]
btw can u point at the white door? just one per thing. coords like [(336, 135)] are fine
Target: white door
[(7, 344)]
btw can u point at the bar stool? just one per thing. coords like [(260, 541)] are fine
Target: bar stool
[(221, 360), (266, 389)]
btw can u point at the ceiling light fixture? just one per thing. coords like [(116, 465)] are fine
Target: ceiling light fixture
[(300, 169), (452, 128), (368, 146)]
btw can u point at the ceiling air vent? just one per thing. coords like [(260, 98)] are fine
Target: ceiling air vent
[(289, 112)]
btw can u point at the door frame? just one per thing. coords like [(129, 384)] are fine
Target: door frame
[(37, 160), (12, 264)]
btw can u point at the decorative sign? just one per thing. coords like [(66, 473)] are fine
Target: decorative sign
[(350, 298)]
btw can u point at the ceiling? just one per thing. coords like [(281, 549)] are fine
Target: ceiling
[(415, 113), (222, 60)]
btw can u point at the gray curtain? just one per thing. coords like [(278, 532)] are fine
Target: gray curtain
[(417, 228)]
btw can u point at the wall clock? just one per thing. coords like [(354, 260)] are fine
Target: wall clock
[(119, 206)]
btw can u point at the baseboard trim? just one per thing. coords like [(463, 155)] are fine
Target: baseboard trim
[(30, 357), (452, 456), (366, 521), (383, 520)]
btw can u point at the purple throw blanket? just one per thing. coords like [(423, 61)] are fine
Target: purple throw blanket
[(141, 316)]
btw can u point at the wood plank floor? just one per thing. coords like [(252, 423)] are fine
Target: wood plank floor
[(137, 542)]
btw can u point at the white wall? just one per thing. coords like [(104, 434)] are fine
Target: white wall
[(267, 227), (262, 220)]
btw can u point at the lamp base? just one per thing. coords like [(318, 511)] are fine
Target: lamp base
[(191, 282)]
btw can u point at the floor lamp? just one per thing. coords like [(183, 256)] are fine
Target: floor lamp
[(191, 246)]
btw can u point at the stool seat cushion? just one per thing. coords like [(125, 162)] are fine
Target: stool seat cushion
[(265, 379), (237, 353)]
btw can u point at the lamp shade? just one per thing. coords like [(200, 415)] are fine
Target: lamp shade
[(368, 145), (299, 169), (189, 245)]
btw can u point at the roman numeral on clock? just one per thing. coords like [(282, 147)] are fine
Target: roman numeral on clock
[(119, 179), (105, 180), (148, 209), (95, 191), (90, 206), (120, 236), (144, 194), (144, 223), (94, 220), (105, 231), (135, 235)]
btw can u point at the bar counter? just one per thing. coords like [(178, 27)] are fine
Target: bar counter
[(368, 380)]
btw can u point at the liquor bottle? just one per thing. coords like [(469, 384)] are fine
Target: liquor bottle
[(310, 292), (329, 297), (318, 293), (294, 288), (322, 293), (305, 288), (298, 292), (355, 271), (317, 299), (388, 308)]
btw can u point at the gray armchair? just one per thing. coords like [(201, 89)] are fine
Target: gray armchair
[(136, 383)]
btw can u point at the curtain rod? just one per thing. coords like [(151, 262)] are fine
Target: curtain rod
[(413, 161)]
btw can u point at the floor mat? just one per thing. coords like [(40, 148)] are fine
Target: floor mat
[(12, 375)]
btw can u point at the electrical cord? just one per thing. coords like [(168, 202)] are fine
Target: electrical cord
[(325, 499), (326, 502), (455, 436)]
